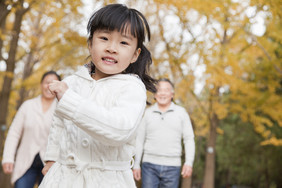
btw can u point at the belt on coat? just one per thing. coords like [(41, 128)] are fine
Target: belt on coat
[(73, 162)]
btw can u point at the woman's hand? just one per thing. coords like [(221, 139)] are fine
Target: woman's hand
[(47, 167), (58, 88), (137, 174), (8, 168)]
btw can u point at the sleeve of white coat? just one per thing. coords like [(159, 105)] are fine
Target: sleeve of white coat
[(53, 146), (14, 134), (188, 138), (113, 126), (141, 135)]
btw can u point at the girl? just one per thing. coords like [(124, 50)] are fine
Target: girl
[(92, 138), (27, 137)]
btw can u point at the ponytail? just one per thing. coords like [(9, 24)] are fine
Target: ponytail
[(141, 68)]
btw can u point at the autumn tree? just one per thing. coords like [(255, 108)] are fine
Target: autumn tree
[(19, 10), (240, 70), (240, 164), (234, 62), (42, 36)]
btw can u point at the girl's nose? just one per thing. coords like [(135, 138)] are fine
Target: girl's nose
[(112, 47)]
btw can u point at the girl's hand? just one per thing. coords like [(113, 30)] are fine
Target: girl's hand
[(47, 167), (8, 168), (58, 88)]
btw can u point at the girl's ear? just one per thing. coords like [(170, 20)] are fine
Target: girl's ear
[(89, 46), (136, 55)]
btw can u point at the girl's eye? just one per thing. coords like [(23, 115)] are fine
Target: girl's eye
[(104, 38), (125, 43)]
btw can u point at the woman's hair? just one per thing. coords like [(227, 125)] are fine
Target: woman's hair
[(119, 17), (50, 73)]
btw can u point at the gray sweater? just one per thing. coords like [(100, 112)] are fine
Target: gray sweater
[(159, 137)]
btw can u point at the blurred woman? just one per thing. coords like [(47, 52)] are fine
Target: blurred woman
[(27, 137)]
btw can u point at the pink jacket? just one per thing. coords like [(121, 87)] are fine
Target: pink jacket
[(27, 136)]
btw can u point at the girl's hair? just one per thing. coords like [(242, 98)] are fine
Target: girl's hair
[(50, 73), (119, 17)]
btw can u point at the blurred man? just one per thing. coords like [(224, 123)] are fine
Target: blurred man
[(159, 141)]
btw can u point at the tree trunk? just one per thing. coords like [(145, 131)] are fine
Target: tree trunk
[(186, 182), (8, 78), (28, 67), (30, 61), (5, 180), (4, 11), (210, 154), (3, 16)]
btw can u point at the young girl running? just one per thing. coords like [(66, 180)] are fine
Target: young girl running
[(92, 138)]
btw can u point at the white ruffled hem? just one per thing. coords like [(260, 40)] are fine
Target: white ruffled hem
[(61, 176)]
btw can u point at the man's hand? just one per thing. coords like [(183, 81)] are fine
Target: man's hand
[(8, 168), (47, 167), (137, 174), (58, 88), (186, 171)]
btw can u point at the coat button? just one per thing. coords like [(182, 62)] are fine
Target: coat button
[(85, 142), (70, 158)]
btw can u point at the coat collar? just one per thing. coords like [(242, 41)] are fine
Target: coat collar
[(170, 109), (86, 71)]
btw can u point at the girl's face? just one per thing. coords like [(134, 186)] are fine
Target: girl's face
[(45, 92), (112, 52)]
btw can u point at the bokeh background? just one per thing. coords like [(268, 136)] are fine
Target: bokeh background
[(224, 57)]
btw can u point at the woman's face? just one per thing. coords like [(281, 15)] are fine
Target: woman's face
[(45, 92)]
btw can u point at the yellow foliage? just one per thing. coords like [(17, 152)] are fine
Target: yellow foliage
[(219, 131), (236, 108), (244, 117), (202, 131), (9, 74), (221, 110), (244, 66), (14, 96), (272, 141), (200, 121), (259, 128), (266, 134), (243, 63)]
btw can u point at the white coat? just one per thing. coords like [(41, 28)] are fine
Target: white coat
[(92, 138)]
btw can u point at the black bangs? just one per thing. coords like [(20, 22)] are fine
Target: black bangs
[(119, 17)]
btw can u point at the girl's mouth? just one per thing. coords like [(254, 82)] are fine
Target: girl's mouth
[(109, 60)]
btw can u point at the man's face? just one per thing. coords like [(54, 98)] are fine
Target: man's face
[(164, 93)]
